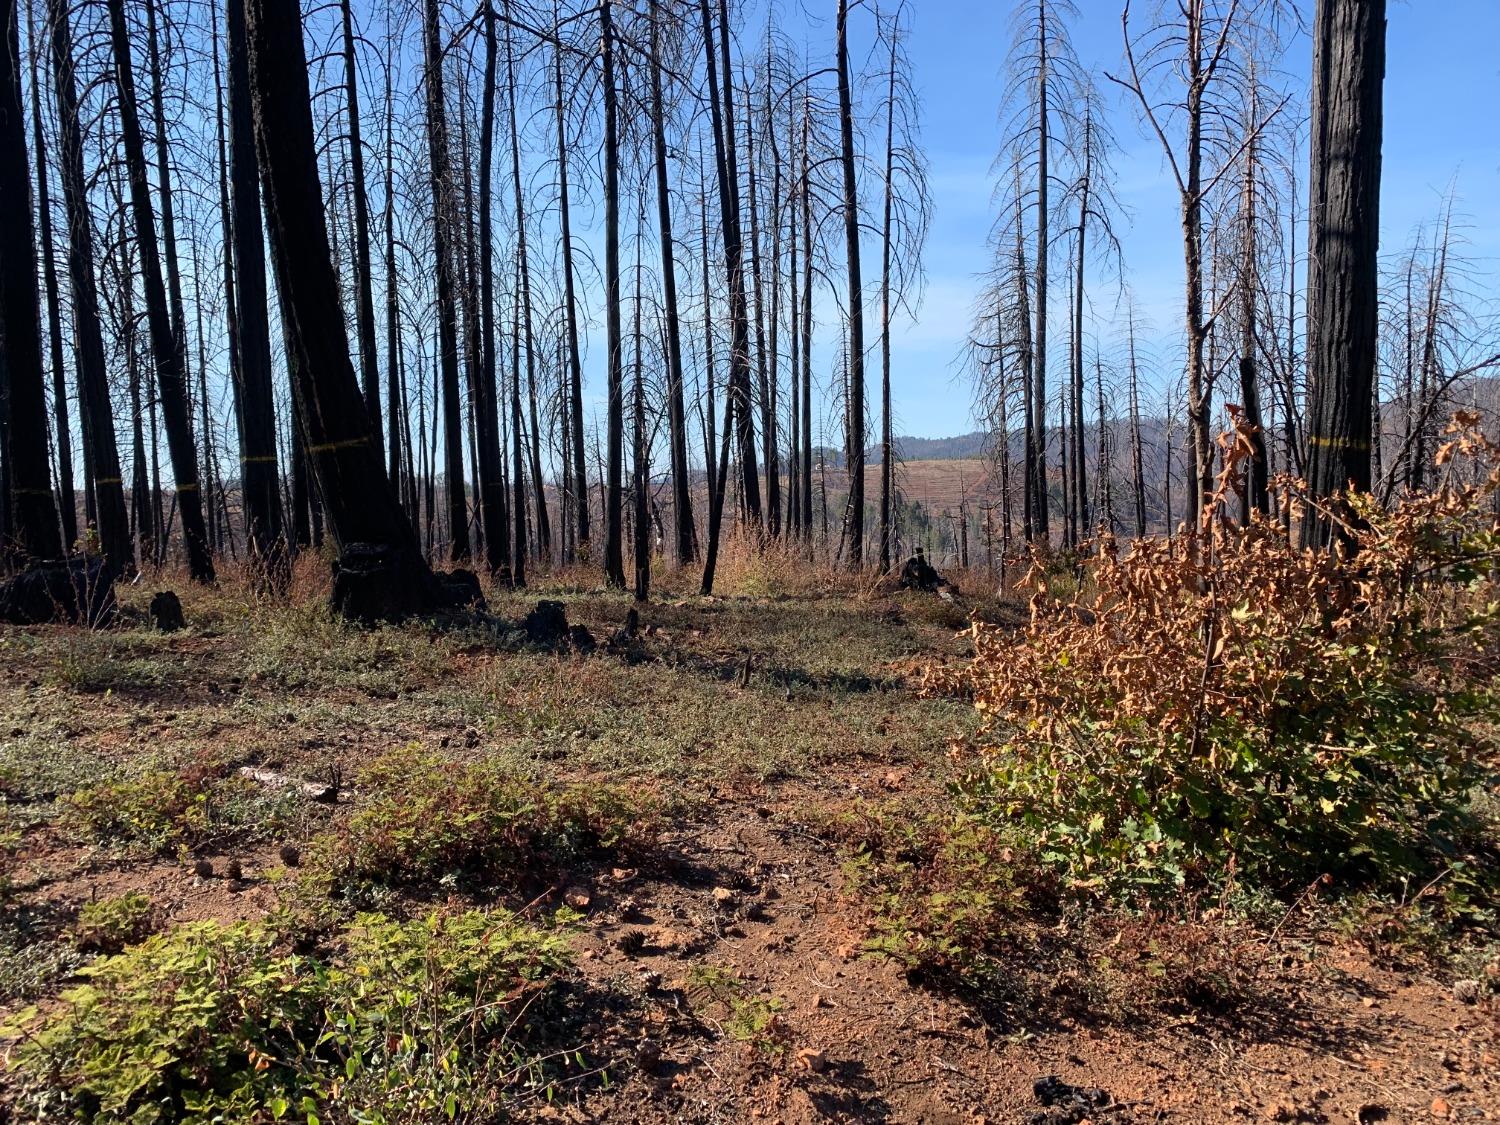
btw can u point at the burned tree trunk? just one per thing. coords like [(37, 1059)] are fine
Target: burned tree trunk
[(101, 453), (856, 351), (440, 174), (265, 537), (364, 301), (682, 497), (167, 348), (491, 482), (63, 432), (570, 312), (1343, 247), (34, 527), (384, 574), (543, 526), (614, 556)]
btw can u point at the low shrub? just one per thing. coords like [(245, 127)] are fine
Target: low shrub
[(747, 1017), (948, 896), (1227, 701), (190, 809), (410, 1022), (427, 817), (108, 925), (92, 662)]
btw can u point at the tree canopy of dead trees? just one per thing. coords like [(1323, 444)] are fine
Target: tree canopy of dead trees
[(525, 284)]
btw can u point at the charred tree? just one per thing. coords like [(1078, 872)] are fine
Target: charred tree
[(357, 498), (265, 537), (62, 433), (1343, 248), (167, 345), (364, 301), (614, 557), (444, 214), (855, 438), (101, 452), (682, 496), (33, 527)]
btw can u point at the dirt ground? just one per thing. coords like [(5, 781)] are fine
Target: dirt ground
[(729, 976)]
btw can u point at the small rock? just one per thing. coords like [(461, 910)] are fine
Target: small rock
[(647, 1054), (577, 899), (1283, 1110), (723, 898), (812, 1059), (1441, 1109)]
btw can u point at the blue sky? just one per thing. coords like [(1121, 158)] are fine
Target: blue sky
[(1442, 126)]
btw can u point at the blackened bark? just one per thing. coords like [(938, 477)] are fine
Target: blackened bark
[(1036, 451), (734, 253), (34, 528), (443, 217), (764, 382), (527, 340), (1257, 496), (491, 480), (364, 301), (356, 495), (887, 439), (682, 496), (570, 309), (265, 538), (167, 349), (614, 556), (101, 452), (856, 354), (640, 467), (1343, 247), (63, 432)]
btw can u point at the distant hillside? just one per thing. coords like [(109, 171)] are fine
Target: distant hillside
[(964, 447)]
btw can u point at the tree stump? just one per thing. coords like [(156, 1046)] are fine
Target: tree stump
[(166, 612)]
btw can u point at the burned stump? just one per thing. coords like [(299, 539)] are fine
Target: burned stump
[(166, 612)]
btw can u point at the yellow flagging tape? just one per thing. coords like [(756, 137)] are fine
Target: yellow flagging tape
[(330, 446), (1338, 443)]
